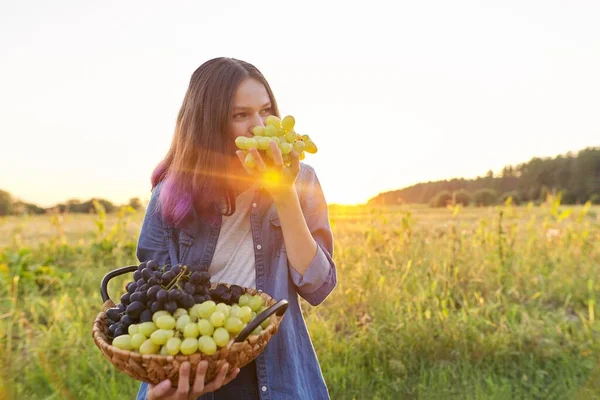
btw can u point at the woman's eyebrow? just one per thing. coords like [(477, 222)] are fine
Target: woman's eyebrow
[(249, 108)]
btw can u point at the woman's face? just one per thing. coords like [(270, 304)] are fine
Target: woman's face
[(251, 107)]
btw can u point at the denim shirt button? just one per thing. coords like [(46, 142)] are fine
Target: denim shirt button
[(259, 247), (254, 205), (264, 388)]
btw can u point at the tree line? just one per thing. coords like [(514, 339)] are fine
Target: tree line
[(573, 176), (12, 206)]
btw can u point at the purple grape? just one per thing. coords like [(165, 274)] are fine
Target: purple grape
[(146, 274), (156, 306), (135, 309), (112, 328), (113, 313), (196, 277), (137, 275), (162, 296), (189, 287), (151, 293), (187, 301), (198, 298), (146, 316), (131, 286), (171, 306), (143, 288), (138, 296), (168, 277), (125, 299), (174, 294), (126, 321), (176, 270), (152, 281), (152, 264), (120, 330), (140, 282), (121, 308)]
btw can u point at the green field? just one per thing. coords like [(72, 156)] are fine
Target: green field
[(470, 303)]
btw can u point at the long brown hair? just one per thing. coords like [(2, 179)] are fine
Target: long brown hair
[(195, 170)]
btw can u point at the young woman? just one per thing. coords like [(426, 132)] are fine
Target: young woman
[(266, 228)]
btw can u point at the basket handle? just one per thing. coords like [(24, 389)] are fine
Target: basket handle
[(110, 275), (280, 308)]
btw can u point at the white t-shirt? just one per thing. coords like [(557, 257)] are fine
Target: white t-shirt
[(233, 261)]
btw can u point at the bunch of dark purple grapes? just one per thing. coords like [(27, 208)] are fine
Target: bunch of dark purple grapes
[(226, 294), (156, 288)]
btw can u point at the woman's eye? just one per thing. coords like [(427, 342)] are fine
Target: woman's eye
[(240, 115), (266, 111)]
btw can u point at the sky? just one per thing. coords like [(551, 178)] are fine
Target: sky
[(392, 92)]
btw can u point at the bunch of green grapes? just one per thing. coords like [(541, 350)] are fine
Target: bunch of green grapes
[(206, 327), (277, 130)]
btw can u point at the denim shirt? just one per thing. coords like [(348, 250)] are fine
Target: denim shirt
[(288, 367)]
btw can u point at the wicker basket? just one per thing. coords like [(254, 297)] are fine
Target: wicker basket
[(153, 368)]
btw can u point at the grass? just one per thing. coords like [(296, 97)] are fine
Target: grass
[(469, 303)]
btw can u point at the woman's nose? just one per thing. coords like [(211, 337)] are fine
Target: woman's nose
[(256, 121)]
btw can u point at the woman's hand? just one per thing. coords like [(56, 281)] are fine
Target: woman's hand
[(277, 179), (183, 391)]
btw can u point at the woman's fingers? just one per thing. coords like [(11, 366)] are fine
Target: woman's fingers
[(218, 381), (198, 388), (242, 158), (159, 391), (231, 376), (260, 163), (183, 388), (277, 156)]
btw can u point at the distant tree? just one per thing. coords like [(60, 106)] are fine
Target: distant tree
[(516, 198), (135, 203), (485, 197), (6, 203), (442, 199), (462, 197)]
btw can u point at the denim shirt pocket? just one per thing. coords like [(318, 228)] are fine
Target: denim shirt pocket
[(180, 244)]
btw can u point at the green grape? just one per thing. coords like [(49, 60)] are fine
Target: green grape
[(251, 143), (122, 342), (194, 311), (148, 347), (305, 138), (164, 351), (159, 314), (270, 131), (249, 161), (264, 142), (258, 130), (286, 148), (173, 345), (165, 322), (188, 346), (191, 330), (180, 312), (224, 308), (255, 302), (253, 315), (217, 319), (281, 132), (221, 337), (235, 311), (299, 146), (207, 345), (311, 147), (146, 328), (205, 327), (257, 331), (245, 314), (240, 142), (137, 340), (234, 325), (273, 120), (206, 309), (132, 330), (288, 122), (244, 299), (161, 336), (183, 321), (302, 156), (290, 136), (265, 323)]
